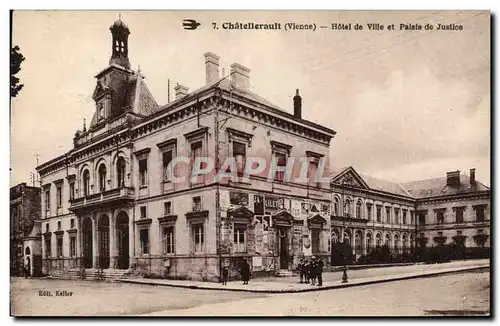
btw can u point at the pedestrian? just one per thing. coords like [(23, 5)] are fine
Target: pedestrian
[(301, 269), (245, 272), (27, 268), (307, 271), (319, 271), (225, 275), (312, 269)]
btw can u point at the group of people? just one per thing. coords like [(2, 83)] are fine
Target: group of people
[(311, 271), (244, 272)]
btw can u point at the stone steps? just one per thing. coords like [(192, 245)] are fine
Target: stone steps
[(92, 274)]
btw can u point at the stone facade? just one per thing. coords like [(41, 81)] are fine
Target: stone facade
[(111, 203)]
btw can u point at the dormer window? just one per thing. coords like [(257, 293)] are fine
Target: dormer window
[(100, 111)]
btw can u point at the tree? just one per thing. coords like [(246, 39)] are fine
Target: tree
[(15, 66)]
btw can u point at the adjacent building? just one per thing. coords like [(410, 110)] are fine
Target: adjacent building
[(24, 211), (455, 209)]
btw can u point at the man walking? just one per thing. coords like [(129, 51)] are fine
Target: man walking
[(319, 271), (301, 268), (312, 268)]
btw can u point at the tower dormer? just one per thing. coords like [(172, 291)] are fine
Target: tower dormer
[(119, 54)]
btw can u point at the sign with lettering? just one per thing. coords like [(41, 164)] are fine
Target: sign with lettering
[(273, 203)]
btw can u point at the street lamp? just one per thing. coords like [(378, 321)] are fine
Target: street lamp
[(346, 180)]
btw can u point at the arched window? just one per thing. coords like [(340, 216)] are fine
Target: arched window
[(102, 177), (379, 240), (347, 207), (368, 242), (387, 240), (358, 209), (335, 206), (347, 238), (86, 183), (120, 172), (405, 242), (396, 242), (335, 237)]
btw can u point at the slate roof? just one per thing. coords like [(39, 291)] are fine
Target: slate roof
[(417, 189), (437, 187)]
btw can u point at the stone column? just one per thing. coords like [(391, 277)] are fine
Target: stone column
[(112, 241), (95, 251), (363, 242), (131, 240)]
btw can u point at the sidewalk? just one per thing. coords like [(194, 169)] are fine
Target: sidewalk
[(284, 287)]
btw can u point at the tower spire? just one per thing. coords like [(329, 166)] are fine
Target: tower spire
[(120, 32)]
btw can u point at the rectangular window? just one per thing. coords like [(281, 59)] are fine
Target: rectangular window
[(58, 225), (59, 246), (144, 239), (412, 217), (47, 200), (440, 217), (196, 151), (239, 239), (197, 204), (47, 228), (459, 215), (396, 216), (168, 240), (72, 247), (143, 212), (167, 158), (480, 216), (198, 237), (369, 212), (421, 219), (143, 172), (280, 163), (239, 154), (379, 214), (72, 191), (388, 214), (404, 216), (59, 196), (48, 247), (167, 208), (312, 173), (72, 223)]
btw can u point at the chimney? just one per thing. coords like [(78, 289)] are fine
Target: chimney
[(240, 77), (211, 68), (472, 176), (297, 105), (453, 178), (180, 91)]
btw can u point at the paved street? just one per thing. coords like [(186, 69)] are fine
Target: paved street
[(456, 294), (424, 296), (92, 298)]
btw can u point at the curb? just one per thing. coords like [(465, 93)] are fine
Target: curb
[(323, 288)]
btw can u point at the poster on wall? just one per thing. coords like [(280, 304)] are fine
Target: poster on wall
[(259, 239), (258, 205), (287, 204), (266, 222), (273, 203), (257, 264), (304, 209), (224, 199), (295, 208), (237, 198)]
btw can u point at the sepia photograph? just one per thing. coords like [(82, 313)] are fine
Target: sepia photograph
[(219, 163)]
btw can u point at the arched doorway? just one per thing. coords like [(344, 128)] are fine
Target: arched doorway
[(122, 231), (87, 242), (357, 243), (369, 242), (103, 229)]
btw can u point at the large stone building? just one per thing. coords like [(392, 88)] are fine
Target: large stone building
[(111, 203), (425, 213), (24, 211)]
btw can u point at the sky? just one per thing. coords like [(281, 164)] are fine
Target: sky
[(406, 105)]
